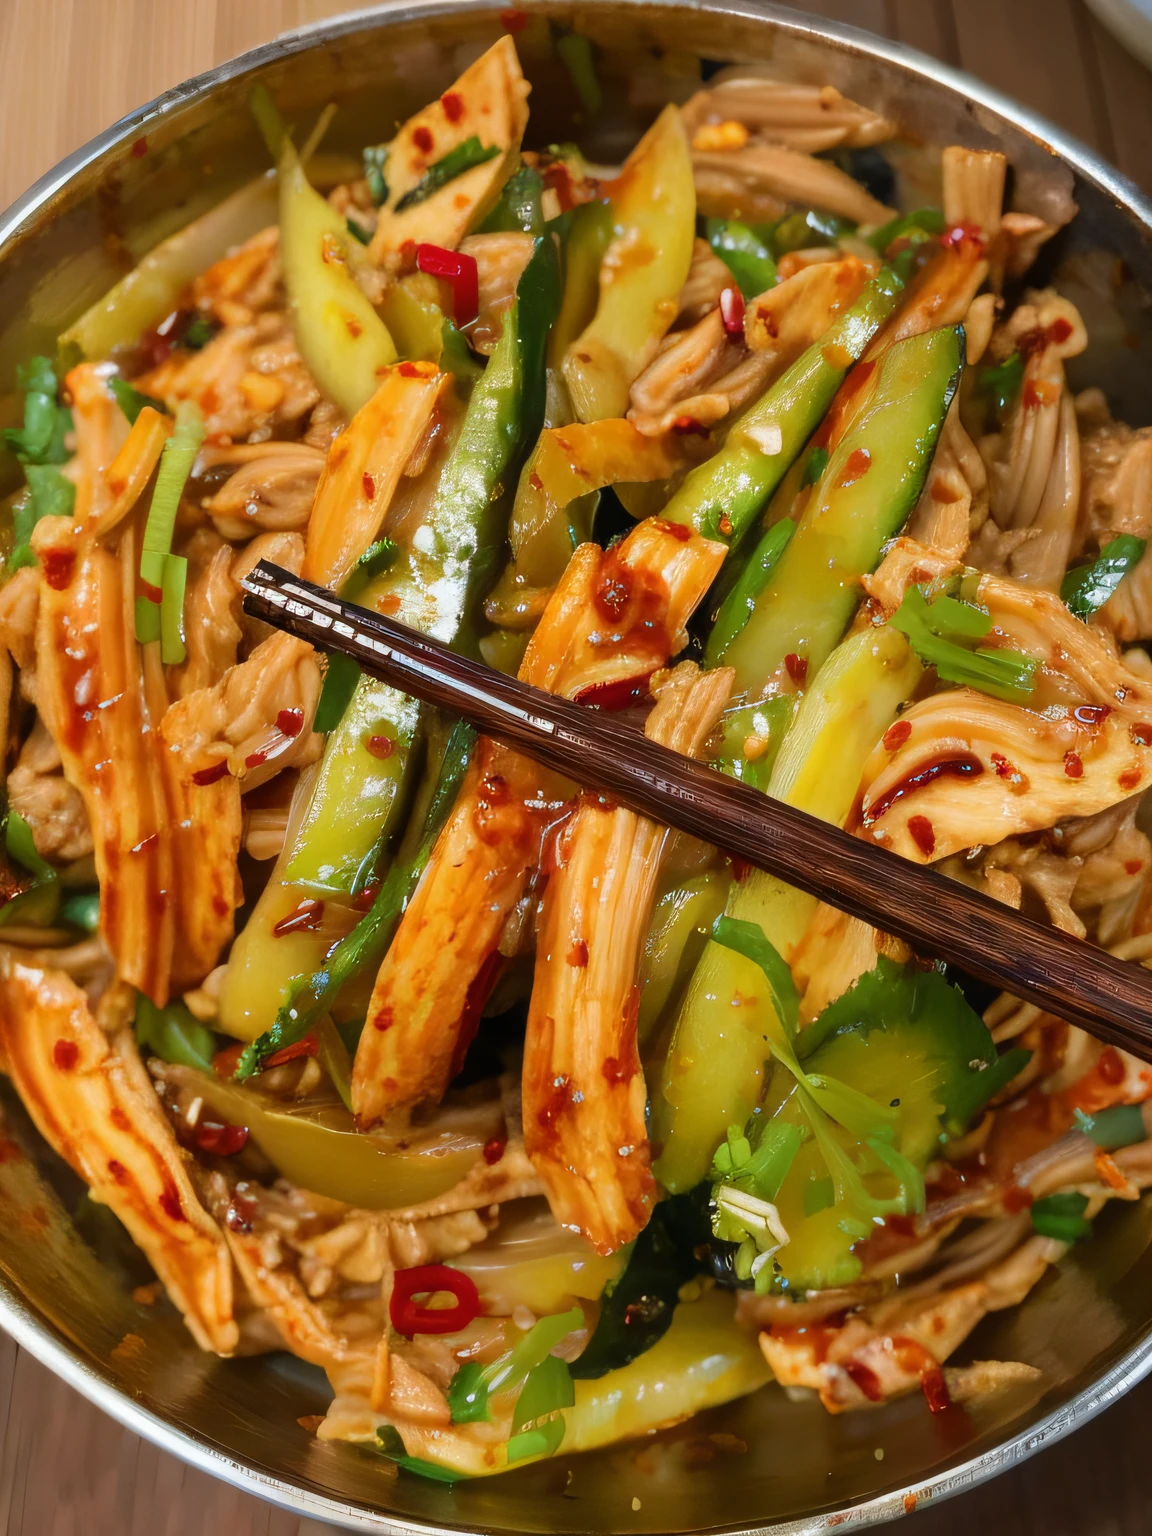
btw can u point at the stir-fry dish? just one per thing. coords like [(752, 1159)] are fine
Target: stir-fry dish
[(534, 1124)]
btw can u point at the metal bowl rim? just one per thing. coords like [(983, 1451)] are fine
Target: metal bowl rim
[(40, 1338)]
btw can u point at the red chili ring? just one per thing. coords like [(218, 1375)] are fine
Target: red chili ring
[(409, 1317), (460, 272)]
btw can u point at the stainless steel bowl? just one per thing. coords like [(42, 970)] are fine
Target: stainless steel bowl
[(1088, 1325)]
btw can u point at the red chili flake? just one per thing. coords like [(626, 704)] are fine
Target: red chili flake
[(514, 19), (732, 312), (308, 915), (1133, 866), (364, 898), (615, 695), (724, 526), (935, 1390), (1130, 778), (422, 139), (921, 832), (1016, 1198), (558, 1098), (796, 668), (453, 104), (225, 1062), (741, 868), (683, 426), (1003, 768), (170, 1205), (309, 1046), (1110, 1067), (1091, 714), (210, 775), (494, 1150), (380, 746), (963, 234), (459, 271), (616, 1071), (384, 1018), (858, 465), (897, 734), (414, 370), (613, 594), (117, 1170), (255, 759), (535, 481), (674, 530), (290, 722), (1060, 330), (1141, 735), (866, 1379), (150, 593), (353, 327), (408, 1317), (368, 485), (240, 1214), (58, 565), (578, 954), (65, 1055), (220, 1140), (140, 148), (1073, 767)]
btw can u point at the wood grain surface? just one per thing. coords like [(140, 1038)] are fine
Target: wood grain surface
[(70, 67)]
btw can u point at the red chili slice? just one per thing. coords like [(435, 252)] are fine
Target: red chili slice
[(306, 1047), (210, 775), (459, 271), (732, 312), (409, 1317), (221, 1140)]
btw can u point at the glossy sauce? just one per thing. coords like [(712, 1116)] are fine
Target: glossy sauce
[(967, 767)]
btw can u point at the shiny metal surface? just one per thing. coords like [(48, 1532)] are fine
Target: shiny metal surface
[(1088, 1325)]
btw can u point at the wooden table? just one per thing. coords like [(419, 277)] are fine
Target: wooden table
[(67, 69)]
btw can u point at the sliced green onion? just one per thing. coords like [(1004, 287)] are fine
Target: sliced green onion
[(1088, 587), (49, 494), (172, 649), (392, 1446), (358, 232), (519, 206), (341, 676), (197, 333), (575, 51), (131, 401), (473, 1384), (749, 940), (814, 465), (925, 221), (375, 159), (82, 910), (934, 631), (1120, 1126), (1000, 383), (465, 157), (173, 1034), (746, 255), (375, 559), (176, 460), (1062, 1217), (41, 439), (537, 1423)]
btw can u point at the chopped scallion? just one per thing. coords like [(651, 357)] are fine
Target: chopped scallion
[(1088, 587), (941, 632), (465, 157), (131, 401), (176, 462), (575, 51), (1062, 1217)]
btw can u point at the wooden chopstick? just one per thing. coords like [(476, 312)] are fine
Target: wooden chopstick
[(1110, 998)]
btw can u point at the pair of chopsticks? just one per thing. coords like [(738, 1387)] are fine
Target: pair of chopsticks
[(1110, 998)]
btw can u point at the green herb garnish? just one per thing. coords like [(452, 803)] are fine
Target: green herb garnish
[(1088, 587), (131, 401), (1062, 1217), (943, 632), (375, 159)]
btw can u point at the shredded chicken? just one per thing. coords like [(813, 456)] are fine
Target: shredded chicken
[(584, 1093), (954, 501), (92, 1101), (441, 964), (758, 180), (810, 118), (272, 487), (500, 260), (701, 375)]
